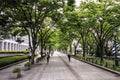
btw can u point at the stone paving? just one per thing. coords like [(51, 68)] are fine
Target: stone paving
[(60, 68)]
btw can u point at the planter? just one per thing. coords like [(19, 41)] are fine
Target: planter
[(38, 59), (15, 75), (27, 66)]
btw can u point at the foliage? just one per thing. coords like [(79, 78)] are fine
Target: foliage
[(16, 70), (108, 63), (46, 34), (19, 40), (27, 64), (13, 52), (100, 20), (39, 59), (8, 60), (29, 17), (57, 23), (71, 5), (5, 19)]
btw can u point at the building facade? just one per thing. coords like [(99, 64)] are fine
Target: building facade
[(11, 45)]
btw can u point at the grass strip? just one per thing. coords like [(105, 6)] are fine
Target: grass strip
[(8, 60)]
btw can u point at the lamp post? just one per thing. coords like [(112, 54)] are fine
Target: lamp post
[(116, 58)]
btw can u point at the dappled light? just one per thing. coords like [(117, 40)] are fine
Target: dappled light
[(60, 39)]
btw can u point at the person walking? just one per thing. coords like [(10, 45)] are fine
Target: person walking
[(48, 57), (52, 53), (69, 56)]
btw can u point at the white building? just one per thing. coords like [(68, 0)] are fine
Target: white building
[(11, 45)]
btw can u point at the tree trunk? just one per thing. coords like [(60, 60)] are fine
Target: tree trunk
[(41, 51), (33, 55), (41, 47), (102, 52), (83, 48), (49, 48), (75, 51), (70, 49), (97, 54)]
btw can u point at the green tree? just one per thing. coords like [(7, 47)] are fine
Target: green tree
[(101, 22), (30, 15), (5, 19)]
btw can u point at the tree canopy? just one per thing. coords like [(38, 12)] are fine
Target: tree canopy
[(57, 23)]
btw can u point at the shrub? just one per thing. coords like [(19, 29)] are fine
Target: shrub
[(114, 67), (16, 70), (92, 60), (86, 59), (106, 64), (27, 64), (12, 59), (38, 59), (96, 61), (118, 68), (101, 64), (109, 63)]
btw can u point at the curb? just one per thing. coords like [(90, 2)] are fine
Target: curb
[(13, 64), (101, 67)]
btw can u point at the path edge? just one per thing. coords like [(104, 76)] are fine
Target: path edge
[(101, 67)]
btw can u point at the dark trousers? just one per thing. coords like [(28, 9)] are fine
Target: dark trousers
[(69, 56), (29, 58), (48, 57), (47, 60)]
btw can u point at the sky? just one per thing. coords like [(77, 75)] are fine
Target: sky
[(78, 2)]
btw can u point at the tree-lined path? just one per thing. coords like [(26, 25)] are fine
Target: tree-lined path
[(60, 68)]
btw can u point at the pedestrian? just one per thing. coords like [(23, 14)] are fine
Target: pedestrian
[(48, 57), (69, 57), (52, 53)]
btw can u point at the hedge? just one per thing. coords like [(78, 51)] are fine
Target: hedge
[(8, 60), (107, 62), (14, 52)]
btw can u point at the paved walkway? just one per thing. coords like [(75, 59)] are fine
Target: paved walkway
[(60, 69)]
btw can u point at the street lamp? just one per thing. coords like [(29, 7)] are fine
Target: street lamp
[(116, 58)]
